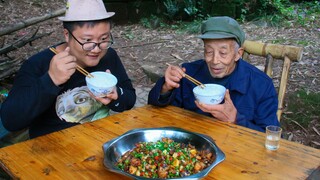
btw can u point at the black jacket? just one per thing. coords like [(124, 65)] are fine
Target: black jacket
[(31, 101)]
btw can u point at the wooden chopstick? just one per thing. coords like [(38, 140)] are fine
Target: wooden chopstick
[(79, 68), (196, 82), (83, 71)]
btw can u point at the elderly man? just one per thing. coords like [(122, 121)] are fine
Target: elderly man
[(49, 94), (250, 99)]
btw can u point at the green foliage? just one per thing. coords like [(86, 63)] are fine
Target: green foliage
[(192, 27), (303, 43), (191, 7), (152, 22), (304, 106), (145, 22), (274, 12), (279, 41), (172, 8), (281, 12), (304, 14), (308, 13), (183, 9), (129, 35)]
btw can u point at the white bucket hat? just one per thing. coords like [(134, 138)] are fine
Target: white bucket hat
[(85, 10)]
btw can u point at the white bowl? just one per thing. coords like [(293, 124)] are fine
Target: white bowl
[(211, 94), (102, 83)]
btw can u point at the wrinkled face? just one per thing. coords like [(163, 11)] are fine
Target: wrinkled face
[(221, 56), (98, 33)]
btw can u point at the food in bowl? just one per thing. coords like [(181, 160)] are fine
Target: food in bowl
[(101, 84), (117, 147), (164, 159), (210, 94)]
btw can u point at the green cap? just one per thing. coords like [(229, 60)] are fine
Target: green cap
[(221, 28)]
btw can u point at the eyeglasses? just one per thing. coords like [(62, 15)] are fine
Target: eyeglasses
[(88, 46)]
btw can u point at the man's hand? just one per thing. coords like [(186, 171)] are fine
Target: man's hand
[(113, 95), (172, 76), (62, 66), (225, 112)]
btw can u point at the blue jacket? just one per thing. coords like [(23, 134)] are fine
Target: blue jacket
[(251, 90)]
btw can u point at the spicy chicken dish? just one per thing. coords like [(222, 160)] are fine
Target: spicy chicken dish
[(164, 159)]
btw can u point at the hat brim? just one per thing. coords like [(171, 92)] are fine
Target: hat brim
[(217, 35), (105, 16)]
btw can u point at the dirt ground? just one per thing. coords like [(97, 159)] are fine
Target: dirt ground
[(139, 46)]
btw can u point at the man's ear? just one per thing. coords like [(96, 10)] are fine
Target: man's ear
[(239, 53), (66, 35)]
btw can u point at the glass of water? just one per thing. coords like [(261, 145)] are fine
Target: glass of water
[(273, 136)]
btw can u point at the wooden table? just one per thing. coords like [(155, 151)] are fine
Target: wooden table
[(76, 153)]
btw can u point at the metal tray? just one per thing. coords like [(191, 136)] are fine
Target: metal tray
[(114, 148)]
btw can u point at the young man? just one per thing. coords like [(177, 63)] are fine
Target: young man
[(250, 100), (49, 94)]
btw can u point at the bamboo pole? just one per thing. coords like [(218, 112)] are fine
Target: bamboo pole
[(277, 51), (268, 66), (283, 85), (31, 21)]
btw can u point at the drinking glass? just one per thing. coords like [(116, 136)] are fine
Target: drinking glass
[(273, 136)]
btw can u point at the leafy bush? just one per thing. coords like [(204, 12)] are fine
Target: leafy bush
[(282, 12), (152, 22), (191, 7), (183, 9), (172, 8), (274, 12)]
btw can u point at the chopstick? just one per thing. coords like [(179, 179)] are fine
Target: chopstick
[(196, 82), (79, 68)]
